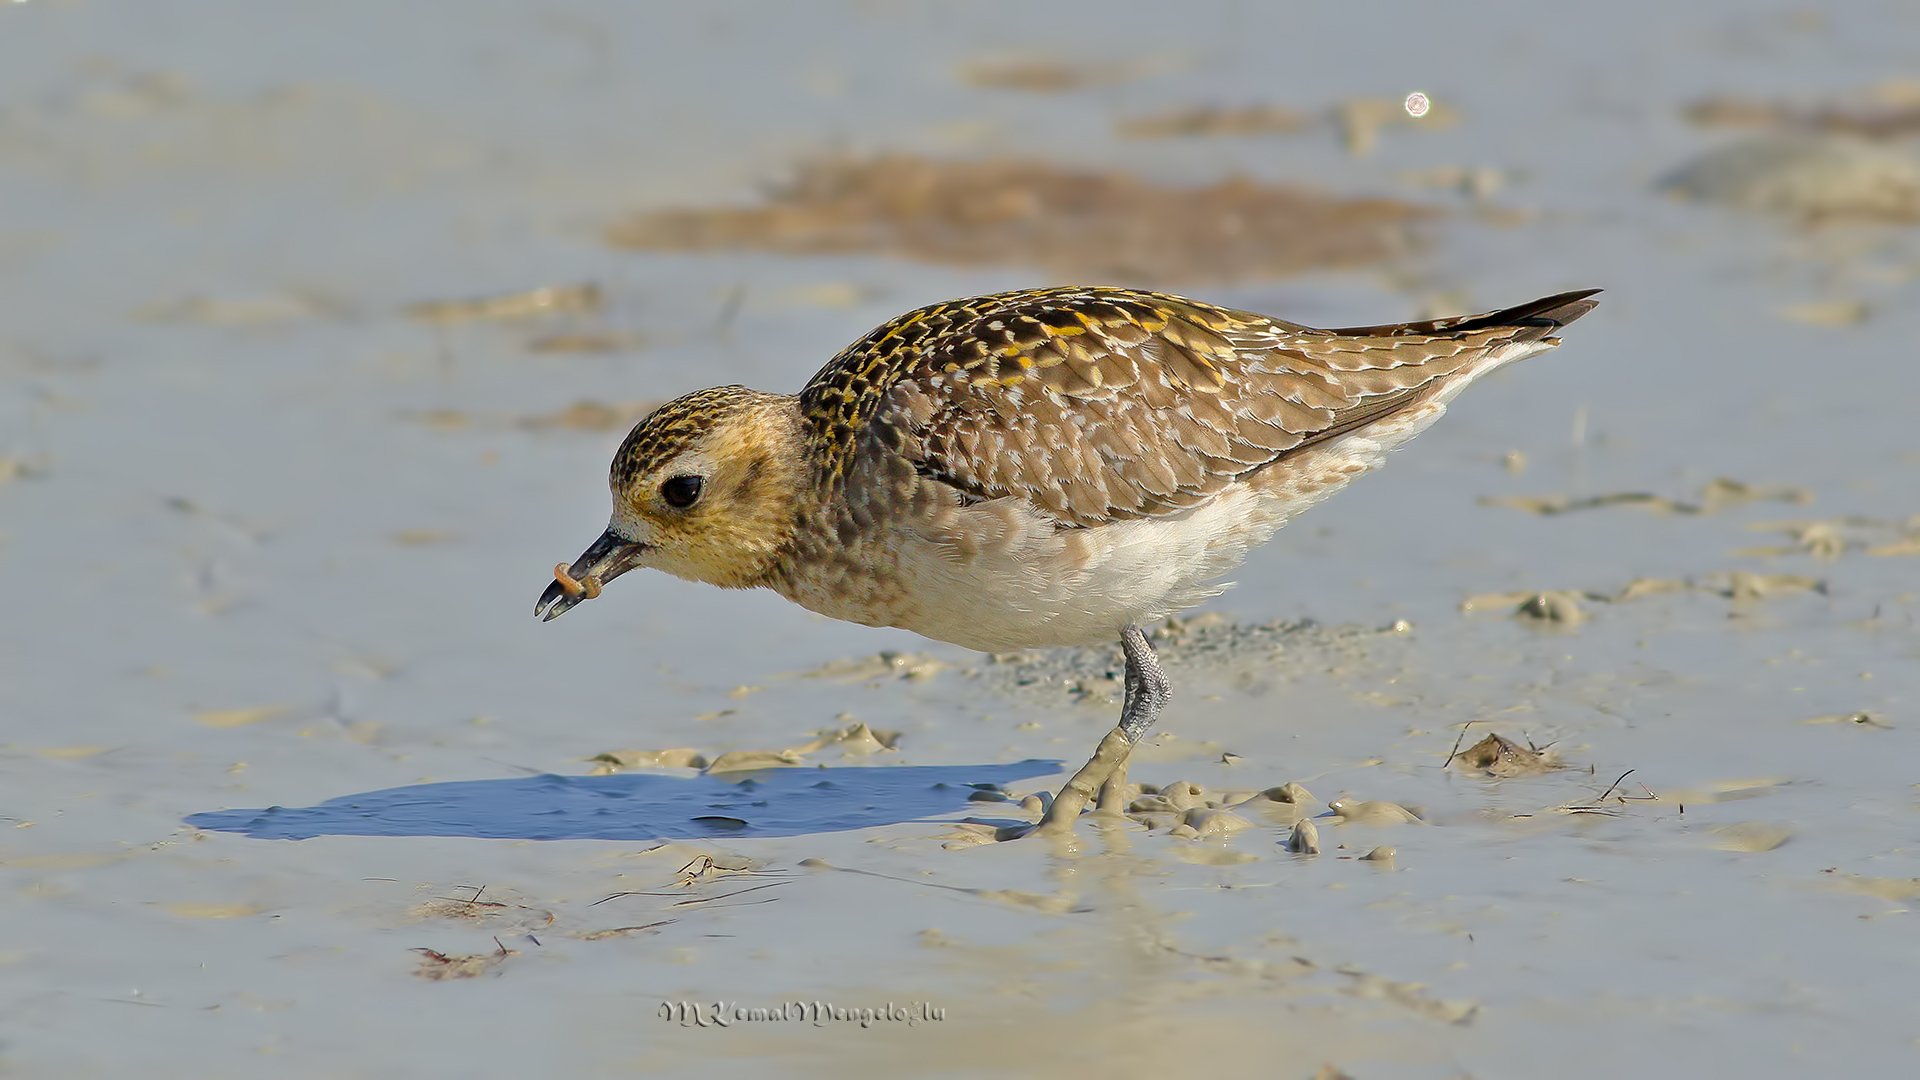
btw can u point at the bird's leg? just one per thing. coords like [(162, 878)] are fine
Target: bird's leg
[(1147, 686), (1147, 690)]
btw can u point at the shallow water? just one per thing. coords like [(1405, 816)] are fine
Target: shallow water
[(271, 542)]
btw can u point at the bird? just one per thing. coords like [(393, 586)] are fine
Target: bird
[(1045, 467)]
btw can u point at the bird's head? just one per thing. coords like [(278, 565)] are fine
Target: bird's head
[(704, 488)]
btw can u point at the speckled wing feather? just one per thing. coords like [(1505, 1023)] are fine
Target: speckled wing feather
[(1050, 394)]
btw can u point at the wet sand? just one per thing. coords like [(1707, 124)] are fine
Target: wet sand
[(315, 342)]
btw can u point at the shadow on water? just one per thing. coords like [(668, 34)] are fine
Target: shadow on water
[(637, 806)]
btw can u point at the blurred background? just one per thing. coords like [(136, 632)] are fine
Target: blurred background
[(320, 322)]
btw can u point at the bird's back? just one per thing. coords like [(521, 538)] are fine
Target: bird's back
[(1097, 405)]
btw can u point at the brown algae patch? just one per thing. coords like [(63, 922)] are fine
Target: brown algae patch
[(1076, 223)]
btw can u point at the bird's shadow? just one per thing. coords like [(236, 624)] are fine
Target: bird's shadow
[(638, 806)]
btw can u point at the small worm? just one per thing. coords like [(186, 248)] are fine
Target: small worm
[(590, 585)]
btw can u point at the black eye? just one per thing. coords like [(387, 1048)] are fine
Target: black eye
[(681, 491)]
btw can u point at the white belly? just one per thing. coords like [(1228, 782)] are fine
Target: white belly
[(998, 576), (1002, 577)]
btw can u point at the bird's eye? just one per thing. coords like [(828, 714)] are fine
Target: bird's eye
[(681, 491)]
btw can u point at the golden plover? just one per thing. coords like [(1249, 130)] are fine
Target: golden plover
[(1037, 468)]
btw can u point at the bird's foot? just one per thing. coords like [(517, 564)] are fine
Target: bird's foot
[(1104, 775)]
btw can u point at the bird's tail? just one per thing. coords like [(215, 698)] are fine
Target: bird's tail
[(1534, 321)]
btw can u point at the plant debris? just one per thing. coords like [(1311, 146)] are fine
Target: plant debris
[(473, 908), (1616, 794), (1497, 755), (437, 966)]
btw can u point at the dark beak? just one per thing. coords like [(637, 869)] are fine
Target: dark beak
[(608, 558)]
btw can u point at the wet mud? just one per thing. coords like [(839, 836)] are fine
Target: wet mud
[(1541, 751)]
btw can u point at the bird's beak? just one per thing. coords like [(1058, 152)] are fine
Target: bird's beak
[(608, 558)]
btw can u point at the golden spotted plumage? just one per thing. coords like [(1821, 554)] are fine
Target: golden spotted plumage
[(1049, 395), (1044, 467)]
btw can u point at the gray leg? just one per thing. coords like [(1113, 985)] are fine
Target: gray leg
[(1147, 693), (1147, 686)]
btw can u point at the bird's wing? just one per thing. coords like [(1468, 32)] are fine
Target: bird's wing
[(1096, 405)]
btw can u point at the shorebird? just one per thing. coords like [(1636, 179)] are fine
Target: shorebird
[(1047, 467)]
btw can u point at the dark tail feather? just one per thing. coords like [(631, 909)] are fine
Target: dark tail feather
[(1539, 318)]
